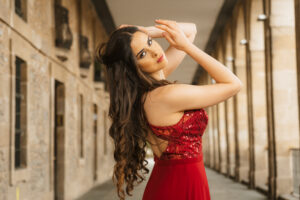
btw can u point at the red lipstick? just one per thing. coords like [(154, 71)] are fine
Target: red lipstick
[(160, 58)]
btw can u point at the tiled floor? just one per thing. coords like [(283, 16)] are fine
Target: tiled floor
[(220, 188)]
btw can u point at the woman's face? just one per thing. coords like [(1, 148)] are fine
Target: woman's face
[(147, 51)]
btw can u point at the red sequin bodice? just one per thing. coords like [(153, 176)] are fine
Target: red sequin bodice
[(185, 137)]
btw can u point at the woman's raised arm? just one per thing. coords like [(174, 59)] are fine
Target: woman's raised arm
[(179, 97), (189, 29)]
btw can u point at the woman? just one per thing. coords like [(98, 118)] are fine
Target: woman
[(145, 107)]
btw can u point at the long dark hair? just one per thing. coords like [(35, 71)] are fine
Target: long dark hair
[(127, 84)]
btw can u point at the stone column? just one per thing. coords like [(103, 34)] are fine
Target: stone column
[(216, 153), (215, 138), (259, 95), (284, 85), (211, 136), (230, 104), (221, 115), (242, 112)]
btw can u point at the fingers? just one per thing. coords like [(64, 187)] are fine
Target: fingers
[(168, 37), (165, 28)]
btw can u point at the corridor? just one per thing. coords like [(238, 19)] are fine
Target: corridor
[(221, 188)]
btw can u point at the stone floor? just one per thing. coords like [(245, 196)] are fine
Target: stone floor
[(220, 188)]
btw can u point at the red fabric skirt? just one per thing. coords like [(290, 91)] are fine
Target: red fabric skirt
[(181, 179)]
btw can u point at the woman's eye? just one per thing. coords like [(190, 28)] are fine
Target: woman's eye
[(142, 54), (149, 43)]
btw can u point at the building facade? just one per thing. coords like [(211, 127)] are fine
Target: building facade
[(54, 141)]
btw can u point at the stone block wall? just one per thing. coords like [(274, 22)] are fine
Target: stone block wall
[(33, 41)]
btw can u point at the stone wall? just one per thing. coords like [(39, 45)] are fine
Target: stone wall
[(33, 41)]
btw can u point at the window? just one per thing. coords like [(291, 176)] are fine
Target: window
[(20, 113), (21, 9)]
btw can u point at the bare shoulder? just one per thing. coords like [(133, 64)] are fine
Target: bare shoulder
[(153, 100), (156, 111), (179, 97), (167, 103)]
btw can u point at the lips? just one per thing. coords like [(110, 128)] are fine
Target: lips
[(160, 58)]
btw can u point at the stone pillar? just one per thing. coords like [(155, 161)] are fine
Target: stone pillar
[(215, 131), (215, 138), (284, 85), (206, 143), (259, 95), (242, 112), (230, 104), (211, 136), (222, 121)]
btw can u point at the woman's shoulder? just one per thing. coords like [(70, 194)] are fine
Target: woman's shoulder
[(162, 91), (154, 97), (178, 97), (157, 112)]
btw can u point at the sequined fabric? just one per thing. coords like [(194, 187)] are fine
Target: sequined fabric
[(185, 137)]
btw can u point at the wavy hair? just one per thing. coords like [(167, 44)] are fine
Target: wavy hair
[(127, 84)]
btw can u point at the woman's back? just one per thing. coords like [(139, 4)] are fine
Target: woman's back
[(165, 105), (158, 114), (176, 142)]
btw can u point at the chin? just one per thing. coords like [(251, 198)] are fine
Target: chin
[(165, 61), (164, 64)]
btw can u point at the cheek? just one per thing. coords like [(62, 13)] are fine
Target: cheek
[(146, 66), (151, 67)]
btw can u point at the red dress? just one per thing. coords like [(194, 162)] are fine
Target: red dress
[(179, 173)]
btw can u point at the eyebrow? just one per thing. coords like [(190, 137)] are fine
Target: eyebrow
[(142, 48)]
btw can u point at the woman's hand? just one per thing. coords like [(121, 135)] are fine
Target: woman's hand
[(174, 34)]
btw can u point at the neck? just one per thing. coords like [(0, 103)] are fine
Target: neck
[(159, 75)]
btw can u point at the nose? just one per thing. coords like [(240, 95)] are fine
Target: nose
[(154, 53)]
